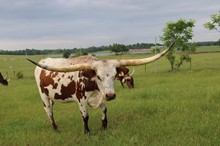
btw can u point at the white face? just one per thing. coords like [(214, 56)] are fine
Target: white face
[(105, 78)]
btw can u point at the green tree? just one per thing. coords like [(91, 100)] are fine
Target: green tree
[(66, 54), (115, 48), (118, 48), (182, 32), (214, 23), (81, 52)]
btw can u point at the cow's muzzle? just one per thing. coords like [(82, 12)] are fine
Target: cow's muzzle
[(110, 96)]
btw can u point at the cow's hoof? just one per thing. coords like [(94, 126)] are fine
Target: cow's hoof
[(86, 131), (104, 124), (56, 130)]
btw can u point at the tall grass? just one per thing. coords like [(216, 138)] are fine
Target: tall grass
[(165, 108)]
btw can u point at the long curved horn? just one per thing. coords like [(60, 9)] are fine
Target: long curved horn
[(70, 68), (134, 62), (6, 76), (132, 72)]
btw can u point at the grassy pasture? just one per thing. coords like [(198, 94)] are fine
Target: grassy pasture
[(208, 48), (165, 108)]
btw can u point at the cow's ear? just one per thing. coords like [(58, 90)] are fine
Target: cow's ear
[(88, 73)]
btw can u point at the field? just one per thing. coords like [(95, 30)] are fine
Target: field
[(208, 49), (165, 108)]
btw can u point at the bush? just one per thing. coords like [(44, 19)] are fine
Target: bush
[(19, 75), (81, 52), (66, 54)]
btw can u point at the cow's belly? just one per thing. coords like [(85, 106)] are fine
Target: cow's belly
[(57, 95), (93, 98)]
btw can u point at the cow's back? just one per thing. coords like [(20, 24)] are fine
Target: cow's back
[(67, 61)]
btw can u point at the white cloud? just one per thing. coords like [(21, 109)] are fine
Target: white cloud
[(82, 23)]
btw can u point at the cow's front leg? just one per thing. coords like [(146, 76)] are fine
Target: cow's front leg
[(86, 127), (85, 116), (122, 83), (104, 116)]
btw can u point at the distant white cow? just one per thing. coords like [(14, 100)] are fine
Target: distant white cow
[(86, 80)]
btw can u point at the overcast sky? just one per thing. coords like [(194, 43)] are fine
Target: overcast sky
[(49, 24)]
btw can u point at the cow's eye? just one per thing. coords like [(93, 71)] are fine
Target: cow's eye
[(99, 78)]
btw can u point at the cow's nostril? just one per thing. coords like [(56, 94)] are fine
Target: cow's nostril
[(110, 96)]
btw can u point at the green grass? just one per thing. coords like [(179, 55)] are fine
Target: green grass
[(165, 108), (208, 48)]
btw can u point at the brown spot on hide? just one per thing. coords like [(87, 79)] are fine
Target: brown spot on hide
[(87, 73), (90, 84), (80, 91), (55, 85), (66, 91), (85, 83), (46, 80), (70, 77)]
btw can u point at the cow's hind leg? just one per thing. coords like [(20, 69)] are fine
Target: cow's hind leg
[(48, 107), (104, 116)]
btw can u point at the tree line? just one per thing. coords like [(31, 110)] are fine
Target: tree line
[(117, 48), (76, 50)]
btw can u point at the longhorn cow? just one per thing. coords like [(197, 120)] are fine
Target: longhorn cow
[(86, 80), (3, 81), (125, 78)]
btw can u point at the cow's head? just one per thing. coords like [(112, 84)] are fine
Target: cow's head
[(105, 70), (3, 81)]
